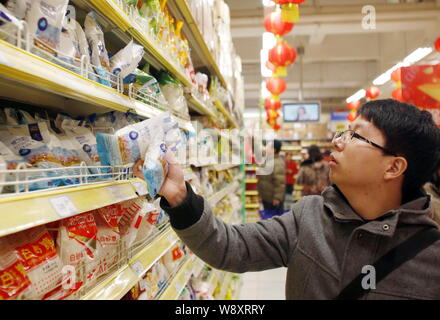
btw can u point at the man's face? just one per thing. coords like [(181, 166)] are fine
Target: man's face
[(357, 163)]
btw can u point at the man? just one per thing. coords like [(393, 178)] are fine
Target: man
[(326, 241), (272, 187)]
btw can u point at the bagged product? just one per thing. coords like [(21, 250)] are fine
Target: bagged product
[(11, 116), (78, 243), (173, 92), (99, 55), (137, 222), (29, 144), (83, 142), (19, 8), (146, 85), (107, 221), (69, 51), (126, 60), (173, 258), (45, 20), (25, 117), (9, 25), (62, 148), (36, 250)]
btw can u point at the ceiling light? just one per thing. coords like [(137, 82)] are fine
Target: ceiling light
[(412, 58), (357, 96)]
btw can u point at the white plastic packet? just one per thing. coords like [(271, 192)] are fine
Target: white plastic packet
[(36, 250), (99, 55), (83, 141), (9, 25), (11, 116), (69, 51), (126, 60), (15, 284), (173, 258), (29, 144), (78, 243), (45, 20), (19, 8)]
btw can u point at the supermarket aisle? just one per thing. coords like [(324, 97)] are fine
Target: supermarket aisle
[(264, 285)]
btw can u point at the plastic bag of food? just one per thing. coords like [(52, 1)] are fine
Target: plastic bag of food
[(61, 146), (25, 117), (173, 93), (29, 144), (99, 55), (126, 60), (36, 251), (9, 24), (147, 85), (173, 258), (14, 281), (83, 141), (107, 221), (45, 20), (19, 8), (69, 51), (11, 116), (78, 243)]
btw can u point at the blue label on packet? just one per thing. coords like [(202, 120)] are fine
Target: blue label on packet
[(34, 132), (42, 24)]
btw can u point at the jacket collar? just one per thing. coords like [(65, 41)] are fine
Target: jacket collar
[(416, 211)]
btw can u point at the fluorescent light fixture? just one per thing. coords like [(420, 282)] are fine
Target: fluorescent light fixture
[(268, 3), (357, 96), (412, 58), (269, 42)]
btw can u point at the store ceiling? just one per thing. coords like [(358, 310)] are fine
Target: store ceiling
[(340, 56)]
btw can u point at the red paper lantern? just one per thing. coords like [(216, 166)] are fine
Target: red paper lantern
[(351, 116), (397, 94), (276, 86), (272, 114), (396, 75), (272, 103), (354, 105), (372, 92), (437, 44), (274, 24), (282, 55)]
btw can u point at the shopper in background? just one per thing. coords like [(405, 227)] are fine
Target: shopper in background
[(433, 189), (291, 171), (313, 175), (272, 187), (330, 241)]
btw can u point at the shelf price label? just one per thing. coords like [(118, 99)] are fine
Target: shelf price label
[(138, 268), (140, 187), (116, 193), (63, 206)]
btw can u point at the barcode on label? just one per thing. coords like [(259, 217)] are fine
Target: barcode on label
[(63, 206)]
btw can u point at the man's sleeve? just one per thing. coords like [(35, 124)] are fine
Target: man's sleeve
[(236, 248)]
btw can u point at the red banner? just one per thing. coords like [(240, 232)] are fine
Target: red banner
[(421, 87)]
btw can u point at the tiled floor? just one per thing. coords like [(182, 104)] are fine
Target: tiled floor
[(264, 285)]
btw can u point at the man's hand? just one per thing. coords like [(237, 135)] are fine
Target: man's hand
[(173, 188), (276, 202)]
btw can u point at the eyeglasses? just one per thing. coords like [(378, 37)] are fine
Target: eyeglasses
[(346, 136)]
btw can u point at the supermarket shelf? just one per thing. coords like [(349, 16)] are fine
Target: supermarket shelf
[(252, 206), (199, 107), (225, 286), (250, 168), (251, 180), (179, 281), (223, 193), (213, 279), (180, 9), (112, 11), (24, 211), (53, 81), (291, 148), (221, 167), (116, 285), (222, 109), (251, 193)]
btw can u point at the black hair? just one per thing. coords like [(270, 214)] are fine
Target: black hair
[(410, 133), (314, 153), (277, 144)]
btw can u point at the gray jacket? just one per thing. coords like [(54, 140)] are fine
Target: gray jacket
[(323, 243)]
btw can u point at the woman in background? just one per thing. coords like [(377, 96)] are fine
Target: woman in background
[(313, 175)]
